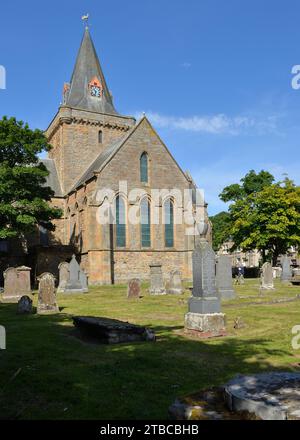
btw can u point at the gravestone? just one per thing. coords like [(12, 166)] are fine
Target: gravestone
[(77, 282), (11, 286), (277, 272), (266, 280), (83, 281), (204, 317), (134, 288), (286, 273), (157, 286), (270, 396), (24, 306), (175, 283), (63, 270), (224, 277), (24, 280), (47, 295), (16, 283), (112, 331), (296, 276)]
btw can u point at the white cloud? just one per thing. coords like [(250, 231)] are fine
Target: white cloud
[(215, 124)]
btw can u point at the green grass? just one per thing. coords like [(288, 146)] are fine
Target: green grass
[(61, 377)]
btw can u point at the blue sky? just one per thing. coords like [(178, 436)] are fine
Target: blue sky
[(213, 76)]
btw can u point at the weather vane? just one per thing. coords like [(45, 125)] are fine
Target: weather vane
[(85, 19)]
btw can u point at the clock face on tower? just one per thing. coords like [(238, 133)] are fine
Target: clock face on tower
[(96, 91), (95, 88)]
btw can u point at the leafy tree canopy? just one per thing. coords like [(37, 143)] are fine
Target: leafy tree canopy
[(268, 219), (23, 195), (220, 224), (250, 184)]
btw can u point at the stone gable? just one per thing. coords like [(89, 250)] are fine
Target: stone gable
[(164, 172)]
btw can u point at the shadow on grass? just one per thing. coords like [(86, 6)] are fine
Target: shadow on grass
[(60, 377)]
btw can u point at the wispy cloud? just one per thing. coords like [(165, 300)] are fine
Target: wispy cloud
[(186, 65), (215, 124)]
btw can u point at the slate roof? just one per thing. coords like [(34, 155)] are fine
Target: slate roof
[(86, 68), (52, 179)]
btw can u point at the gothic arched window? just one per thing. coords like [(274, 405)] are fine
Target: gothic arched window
[(120, 222), (144, 167), (100, 137), (169, 223), (145, 219)]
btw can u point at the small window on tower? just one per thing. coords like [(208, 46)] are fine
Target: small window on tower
[(100, 137)]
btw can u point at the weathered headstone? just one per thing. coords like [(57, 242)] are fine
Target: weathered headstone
[(224, 277), (286, 273), (83, 281), (175, 283), (204, 317), (296, 276), (77, 282), (24, 306), (278, 271), (157, 286), (63, 269), (47, 295), (134, 288), (266, 280), (24, 280), (16, 283), (11, 292)]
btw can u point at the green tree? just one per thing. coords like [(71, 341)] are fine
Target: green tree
[(23, 195), (250, 184), (220, 228), (267, 220)]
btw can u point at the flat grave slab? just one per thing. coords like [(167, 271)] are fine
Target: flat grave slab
[(270, 396), (266, 396), (111, 331)]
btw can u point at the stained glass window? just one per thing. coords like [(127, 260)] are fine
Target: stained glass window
[(145, 223), (120, 222), (169, 223), (144, 167)]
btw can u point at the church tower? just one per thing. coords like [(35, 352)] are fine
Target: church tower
[(86, 122)]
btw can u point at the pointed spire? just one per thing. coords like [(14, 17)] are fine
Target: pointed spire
[(88, 89)]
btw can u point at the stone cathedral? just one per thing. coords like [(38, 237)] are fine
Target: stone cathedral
[(95, 148)]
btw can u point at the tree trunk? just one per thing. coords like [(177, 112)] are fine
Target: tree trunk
[(275, 257)]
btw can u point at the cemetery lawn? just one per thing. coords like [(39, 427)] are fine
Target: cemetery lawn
[(46, 372)]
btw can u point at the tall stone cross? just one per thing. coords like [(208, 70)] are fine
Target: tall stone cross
[(204, 316)]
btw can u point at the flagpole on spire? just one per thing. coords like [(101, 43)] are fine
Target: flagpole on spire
[(85, 19)]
